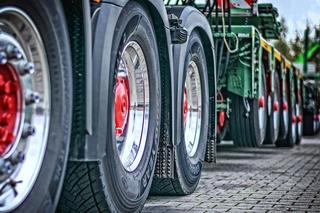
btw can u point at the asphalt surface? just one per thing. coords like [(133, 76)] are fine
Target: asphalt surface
[(267, 179)]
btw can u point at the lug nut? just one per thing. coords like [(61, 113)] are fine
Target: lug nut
[(17, 158), (32, 98), (3, 58), (26, 68), (13, 52), (28, 131), (8, 167)]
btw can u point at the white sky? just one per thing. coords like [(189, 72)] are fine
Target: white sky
[(296, 13)]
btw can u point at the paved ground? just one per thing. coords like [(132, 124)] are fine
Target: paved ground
[(254, 180)]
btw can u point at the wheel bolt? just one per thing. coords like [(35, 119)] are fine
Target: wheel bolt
[(13, 52), (17, 158), (26, 68), (28, 131), (3, 58), (32, 98), (8, 167)]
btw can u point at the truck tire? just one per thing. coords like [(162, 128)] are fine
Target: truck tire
[(273, 123), (309, 123), (284, 111), (35, 104), (194, 100), (248, 129), (290, 139), (120, 180)]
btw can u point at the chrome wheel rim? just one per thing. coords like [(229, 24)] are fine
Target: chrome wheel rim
[(299, 120), (132, 127), (192, 108), (276, 115), (262, 109), (22, 49), (293, 126)]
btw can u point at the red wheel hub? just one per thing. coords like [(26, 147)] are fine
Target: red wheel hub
[(185, 106), (276, 106), (285, 106), (222, 118), (299, 118), (122, 104), (10, 106), (261, 102), (294, 119)]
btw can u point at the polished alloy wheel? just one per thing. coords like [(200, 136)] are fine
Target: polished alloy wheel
[(299, 120), (276, 114), (192, 110), (262, 110), (285, 113), (293, 126), (132, 103), (24, 107)]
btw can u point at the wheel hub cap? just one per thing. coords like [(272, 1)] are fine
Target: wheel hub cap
[(192, 107), (276, 106), (262, 102), (185, 106), (10, 106), (131, 106), (285, 106), (122, 103)]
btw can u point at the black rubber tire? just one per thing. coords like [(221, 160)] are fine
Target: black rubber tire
[(272, 128), (284, 129), (49, 19), (244, 128), (187, 169), (106, 185), (309, 125), (290, 139)]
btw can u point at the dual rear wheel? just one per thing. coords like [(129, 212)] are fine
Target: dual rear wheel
[(248, 120)]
